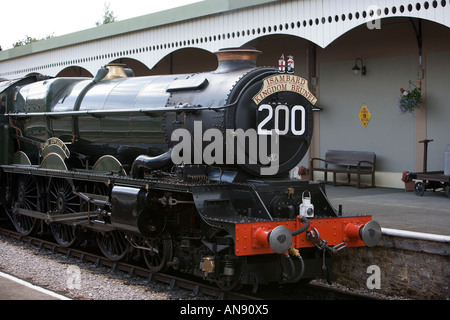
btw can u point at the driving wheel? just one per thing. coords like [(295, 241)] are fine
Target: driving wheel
[(61, 201), (159, 252), (25, 195)]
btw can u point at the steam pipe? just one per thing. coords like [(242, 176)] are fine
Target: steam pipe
[(150, 163)]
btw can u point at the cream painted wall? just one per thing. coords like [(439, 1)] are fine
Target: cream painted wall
[(438, 107), (391, 57), (390, 135)]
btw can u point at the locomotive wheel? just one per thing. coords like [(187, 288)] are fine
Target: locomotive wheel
[(26, 196), (62, 200), (112, 244), (160, 254)]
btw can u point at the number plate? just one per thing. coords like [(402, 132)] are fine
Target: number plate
[(281, 120)]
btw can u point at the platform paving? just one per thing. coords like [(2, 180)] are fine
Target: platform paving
[(13, 288), (395, 208)]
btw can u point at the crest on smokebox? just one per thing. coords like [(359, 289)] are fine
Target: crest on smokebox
[(282, 64)]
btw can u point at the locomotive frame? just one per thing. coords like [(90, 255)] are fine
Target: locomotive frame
[(224, 222)]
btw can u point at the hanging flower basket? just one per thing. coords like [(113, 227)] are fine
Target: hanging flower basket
[(410, 99)]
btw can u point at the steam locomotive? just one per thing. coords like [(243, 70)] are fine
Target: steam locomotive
[(189, 171)]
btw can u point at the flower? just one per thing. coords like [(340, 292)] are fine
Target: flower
[(406, 177), (409, 99), (303, 170)]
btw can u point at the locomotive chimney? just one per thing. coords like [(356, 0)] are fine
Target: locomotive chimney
[(232, 59)]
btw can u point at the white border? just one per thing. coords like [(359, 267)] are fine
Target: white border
[(33, 287)]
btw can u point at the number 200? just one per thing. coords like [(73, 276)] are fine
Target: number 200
[(289, 114)]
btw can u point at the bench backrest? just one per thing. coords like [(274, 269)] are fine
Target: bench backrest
[(350, 158)]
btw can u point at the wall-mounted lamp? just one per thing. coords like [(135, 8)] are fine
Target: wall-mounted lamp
[(357, 69)]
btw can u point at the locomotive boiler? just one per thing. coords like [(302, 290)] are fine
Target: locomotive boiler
[(188, 171)]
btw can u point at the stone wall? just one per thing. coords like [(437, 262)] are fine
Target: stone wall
[(415, 269)]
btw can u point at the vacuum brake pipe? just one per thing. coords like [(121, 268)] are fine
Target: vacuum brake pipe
[(295, 251), (302, 229), (280, 238)]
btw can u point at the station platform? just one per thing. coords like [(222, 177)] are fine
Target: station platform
[(395, 208), (13, 288)]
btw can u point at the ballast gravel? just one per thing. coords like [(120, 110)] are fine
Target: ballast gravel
[(79, 280)]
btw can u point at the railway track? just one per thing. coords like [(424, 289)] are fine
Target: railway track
[(96, 260), (194, 287)]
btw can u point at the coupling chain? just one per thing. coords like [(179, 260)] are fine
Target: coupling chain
[(314, 237)]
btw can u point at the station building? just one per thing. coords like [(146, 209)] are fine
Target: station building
[(394, 44)]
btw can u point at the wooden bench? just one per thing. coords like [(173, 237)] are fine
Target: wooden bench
[(348, 162)]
